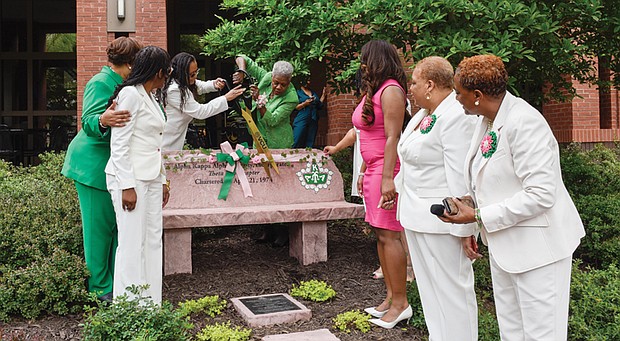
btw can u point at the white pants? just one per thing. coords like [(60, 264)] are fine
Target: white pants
[(139, 252), (445, 281), (533, 305)]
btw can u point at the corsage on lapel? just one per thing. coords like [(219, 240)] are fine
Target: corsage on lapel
[(427, 124), (488, 145)]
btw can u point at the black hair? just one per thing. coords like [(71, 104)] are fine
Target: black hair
[(148, 62), (380, 62), (180, 74)]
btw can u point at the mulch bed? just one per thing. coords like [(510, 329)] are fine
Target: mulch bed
[(227, 262)]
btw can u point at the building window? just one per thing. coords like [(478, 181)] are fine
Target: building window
[(38, 74)]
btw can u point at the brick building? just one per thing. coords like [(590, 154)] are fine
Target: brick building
[(42, 80)]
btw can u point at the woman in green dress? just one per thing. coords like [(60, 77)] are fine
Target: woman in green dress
[(86, 158)]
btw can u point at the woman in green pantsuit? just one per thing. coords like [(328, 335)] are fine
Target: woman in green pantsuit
[(86, 158)]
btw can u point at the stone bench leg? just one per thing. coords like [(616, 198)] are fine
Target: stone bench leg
[(177, 251), (308, 241)]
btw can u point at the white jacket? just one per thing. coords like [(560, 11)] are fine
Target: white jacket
[(135, 149), (528, 216), (431, 167), (179, 118)]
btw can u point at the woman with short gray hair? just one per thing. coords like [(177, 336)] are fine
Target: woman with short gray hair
[(275, 99), (282, 68)]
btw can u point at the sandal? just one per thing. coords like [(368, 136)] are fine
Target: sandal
[(378, 274)]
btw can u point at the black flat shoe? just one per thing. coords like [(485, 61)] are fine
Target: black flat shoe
[(107, 298)]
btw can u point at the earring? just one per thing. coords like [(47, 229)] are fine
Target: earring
[(129, 66), (477, 103), (428, 95)]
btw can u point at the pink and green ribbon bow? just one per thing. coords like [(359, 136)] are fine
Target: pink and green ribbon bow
[(232, 158)]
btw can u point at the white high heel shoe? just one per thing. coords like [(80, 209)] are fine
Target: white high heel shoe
[(374, 312), (404, 315)]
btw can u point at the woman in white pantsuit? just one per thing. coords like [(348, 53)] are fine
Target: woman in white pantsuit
[(432, 153), (136, 178), (524, 212)]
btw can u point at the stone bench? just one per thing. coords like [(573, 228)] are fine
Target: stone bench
[(306, 194)]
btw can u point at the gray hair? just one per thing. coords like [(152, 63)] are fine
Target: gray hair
[(282, 68)]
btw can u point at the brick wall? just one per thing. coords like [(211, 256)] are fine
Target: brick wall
[(93, 37), (92, 40), (339, 108), (579, 120)]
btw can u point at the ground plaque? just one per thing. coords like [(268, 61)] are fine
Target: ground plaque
[(270, 309), (268, 304)]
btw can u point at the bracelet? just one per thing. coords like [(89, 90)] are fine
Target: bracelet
[(361, 174), (101, 123), (478, 218), (167, 184)]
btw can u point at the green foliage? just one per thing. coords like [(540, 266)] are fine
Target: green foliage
[(60, 42), (595, 304), (594, 25), (413, 297), (313, 290), (210, 305), (51, 285), (593, 179), (41, 266), (482, 275), (600, 214), (136, 318), (223, 332), (590, 172), (539, 41), (39, 213), (355, 318), (488, 329)]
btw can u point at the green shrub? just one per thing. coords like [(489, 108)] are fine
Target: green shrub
[(52, 285), (136, 318), (483, 283), (595, 304), (313, 290), (488, 329), (601, 216), (39, 213), (413, 297), (210, 305), (41, 255), (355, 318), (590, 172), (223, 332)]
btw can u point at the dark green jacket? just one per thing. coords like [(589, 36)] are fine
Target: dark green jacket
[(89, 151)]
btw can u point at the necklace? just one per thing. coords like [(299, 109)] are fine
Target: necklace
[(488, 145), (428, 122)]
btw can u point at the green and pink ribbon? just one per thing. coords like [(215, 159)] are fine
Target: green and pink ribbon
[(232, 157)]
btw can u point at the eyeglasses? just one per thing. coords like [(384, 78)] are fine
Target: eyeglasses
[(195, 73)]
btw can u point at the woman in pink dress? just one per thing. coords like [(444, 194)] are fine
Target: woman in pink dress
[(379, 118)]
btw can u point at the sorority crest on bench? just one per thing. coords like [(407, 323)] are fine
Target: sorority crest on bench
[(315, 177)]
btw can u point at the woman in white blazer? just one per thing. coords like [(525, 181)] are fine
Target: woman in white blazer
[(524, 212), (182, 107), (136, 178), (432, 152)]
